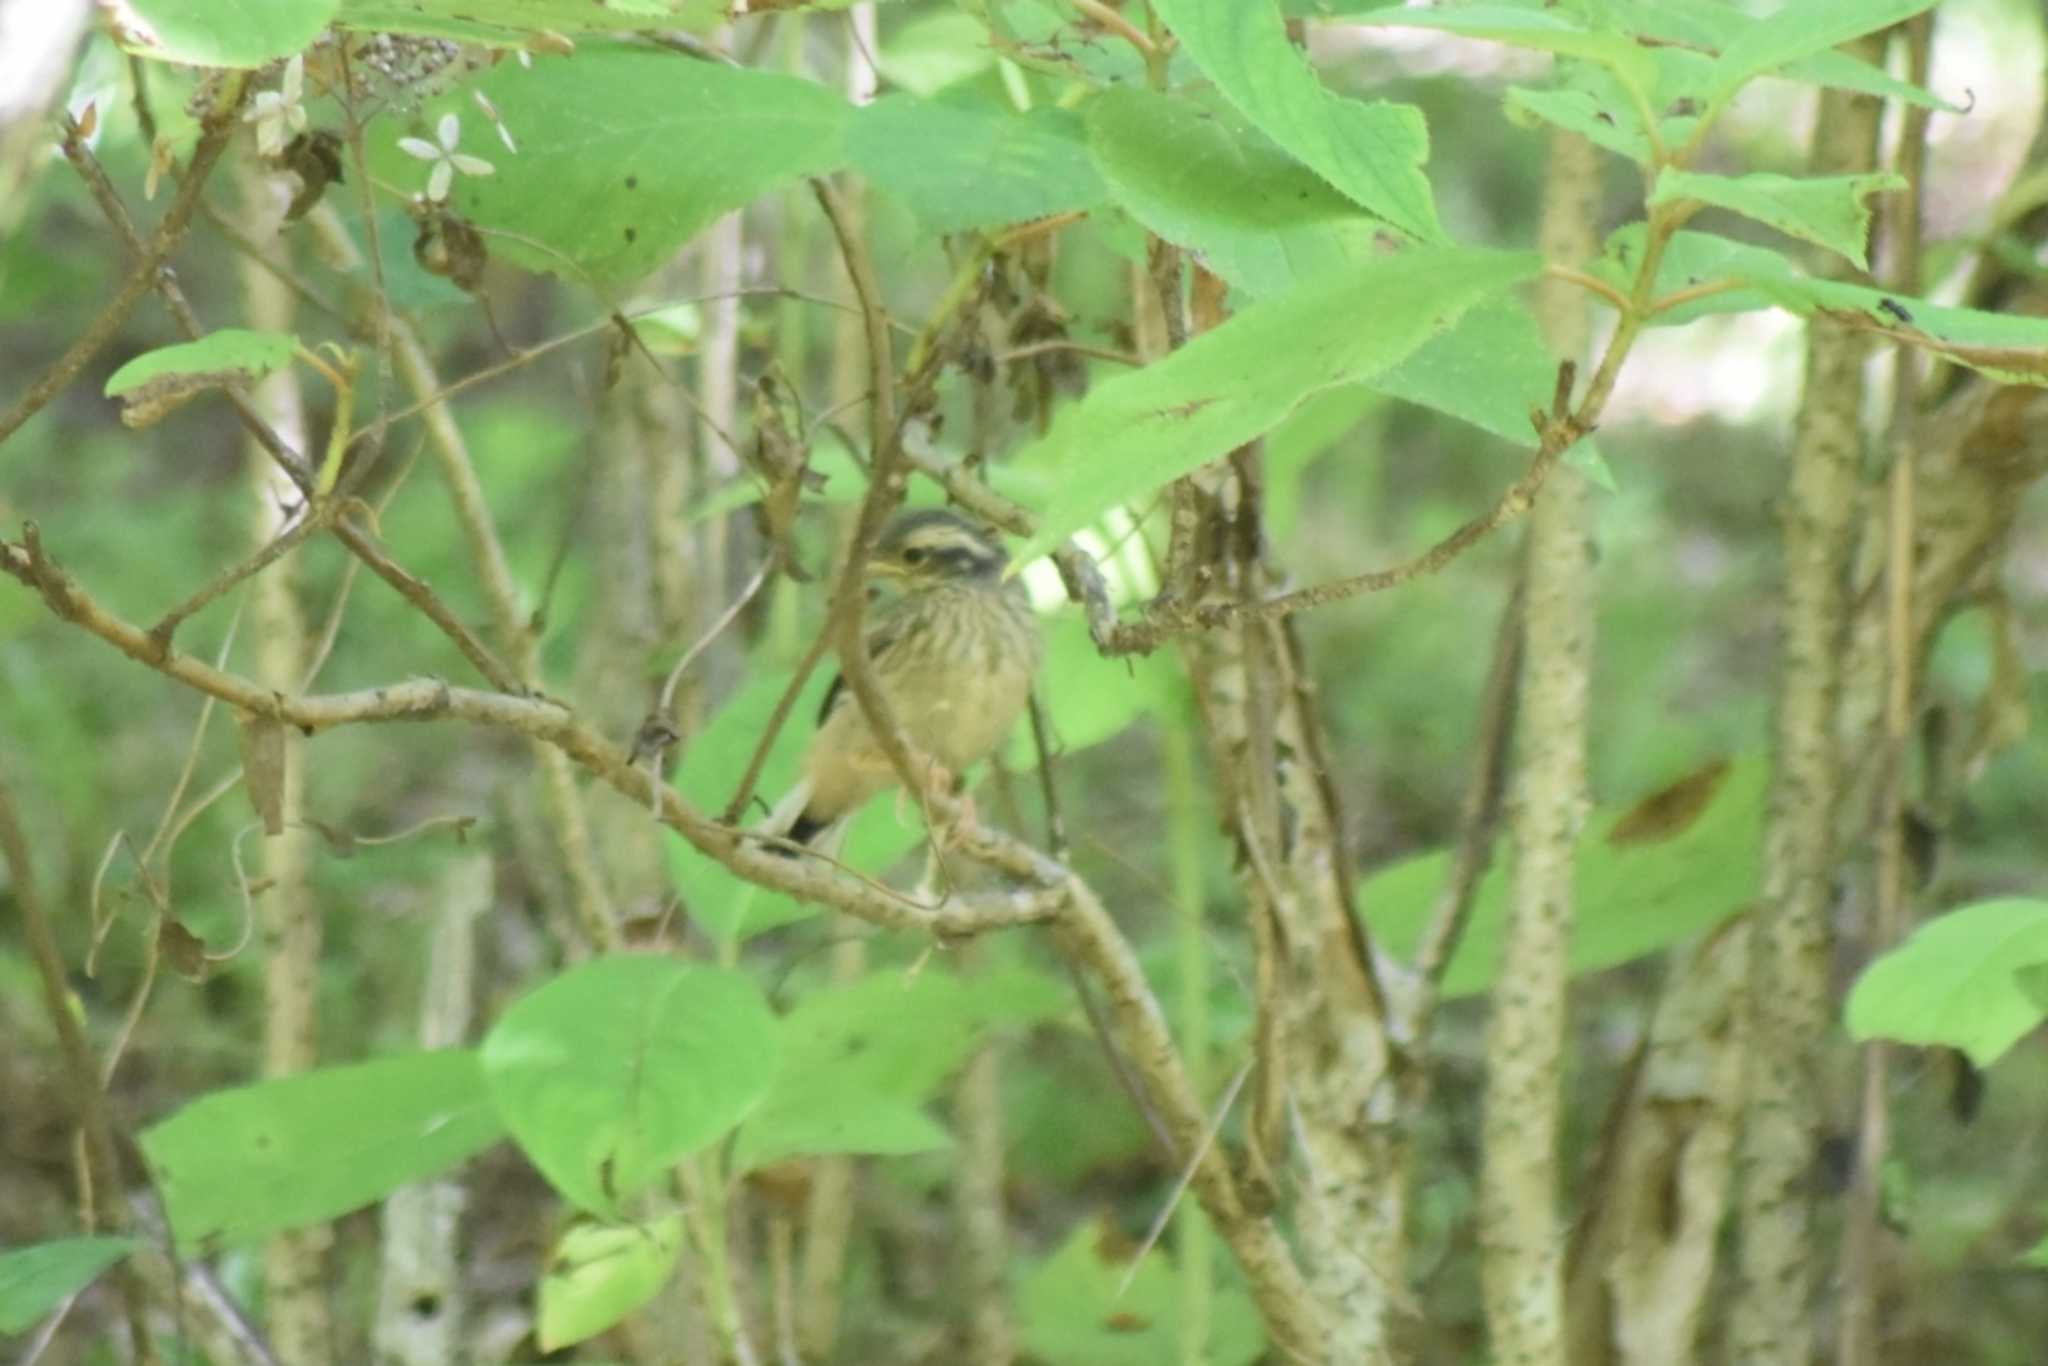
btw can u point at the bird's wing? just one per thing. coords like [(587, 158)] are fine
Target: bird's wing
[(888, 630)]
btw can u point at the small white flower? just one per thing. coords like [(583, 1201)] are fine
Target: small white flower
[(278, 114), (448, 162)]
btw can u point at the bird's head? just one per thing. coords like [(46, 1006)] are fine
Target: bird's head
[(933, 545)]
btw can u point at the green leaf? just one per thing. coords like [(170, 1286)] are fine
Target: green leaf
[(625, 154), (1046, 37), (1538, 30), (1955, 981), (1667, 868), (1709, 25), (859, 1060), (1692, 259), (2008, 347), (237, 1165), (1799, 29), (599, 1273), (1576, 109), (614, 1070), (1829, 211), (231, 355), (1370, 152), (934, 51), (1489, 369), (35, 1280), (1209, 181), (1088, 697), (968, 166), (1076, 1309), (236, 33), (1138, 431), (513, 22)]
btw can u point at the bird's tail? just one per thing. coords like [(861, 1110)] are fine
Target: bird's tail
[(792, 819)]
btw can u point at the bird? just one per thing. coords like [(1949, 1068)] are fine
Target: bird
[(954, 646)]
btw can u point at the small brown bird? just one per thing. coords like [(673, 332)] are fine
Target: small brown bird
[(954, 647)]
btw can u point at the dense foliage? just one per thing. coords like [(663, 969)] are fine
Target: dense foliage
[(605, 337)]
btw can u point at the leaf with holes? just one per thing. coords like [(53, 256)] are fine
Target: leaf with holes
[(614, 1070), (625, 154), (1829, 211)]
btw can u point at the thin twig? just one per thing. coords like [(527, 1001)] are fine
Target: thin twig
[(1187, 1174), (1477, 817), (717, 628), (106, 1207), (218, 127)]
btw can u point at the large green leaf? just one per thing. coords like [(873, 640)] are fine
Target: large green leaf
[(1371, 152), (1668, 868), (599, 1273), (860, 1061), (1801, 28), (1209, 180), (238, 33), (624, 154), (1136, 432), (237, 1165), (1958, 981), (612, 1071), (1086, 1305), (35, 1280), (1829, 211), (960, 165)]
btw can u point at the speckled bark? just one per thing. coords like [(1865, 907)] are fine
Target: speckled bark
[(1772, 1320), (1521, 1234), (295, 1265)]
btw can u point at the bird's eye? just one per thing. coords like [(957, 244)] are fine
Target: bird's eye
[(914, 555)]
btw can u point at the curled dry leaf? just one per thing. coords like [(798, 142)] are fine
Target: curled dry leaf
[(263, 769), (315, 158), (447, 245), (182, 949)]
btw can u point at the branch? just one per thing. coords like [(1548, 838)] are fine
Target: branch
[(216, 128), (1050, 892)]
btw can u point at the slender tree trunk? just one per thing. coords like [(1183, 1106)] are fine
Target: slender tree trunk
[(295, 1263), (1521, 1233), (1772, 1323)]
